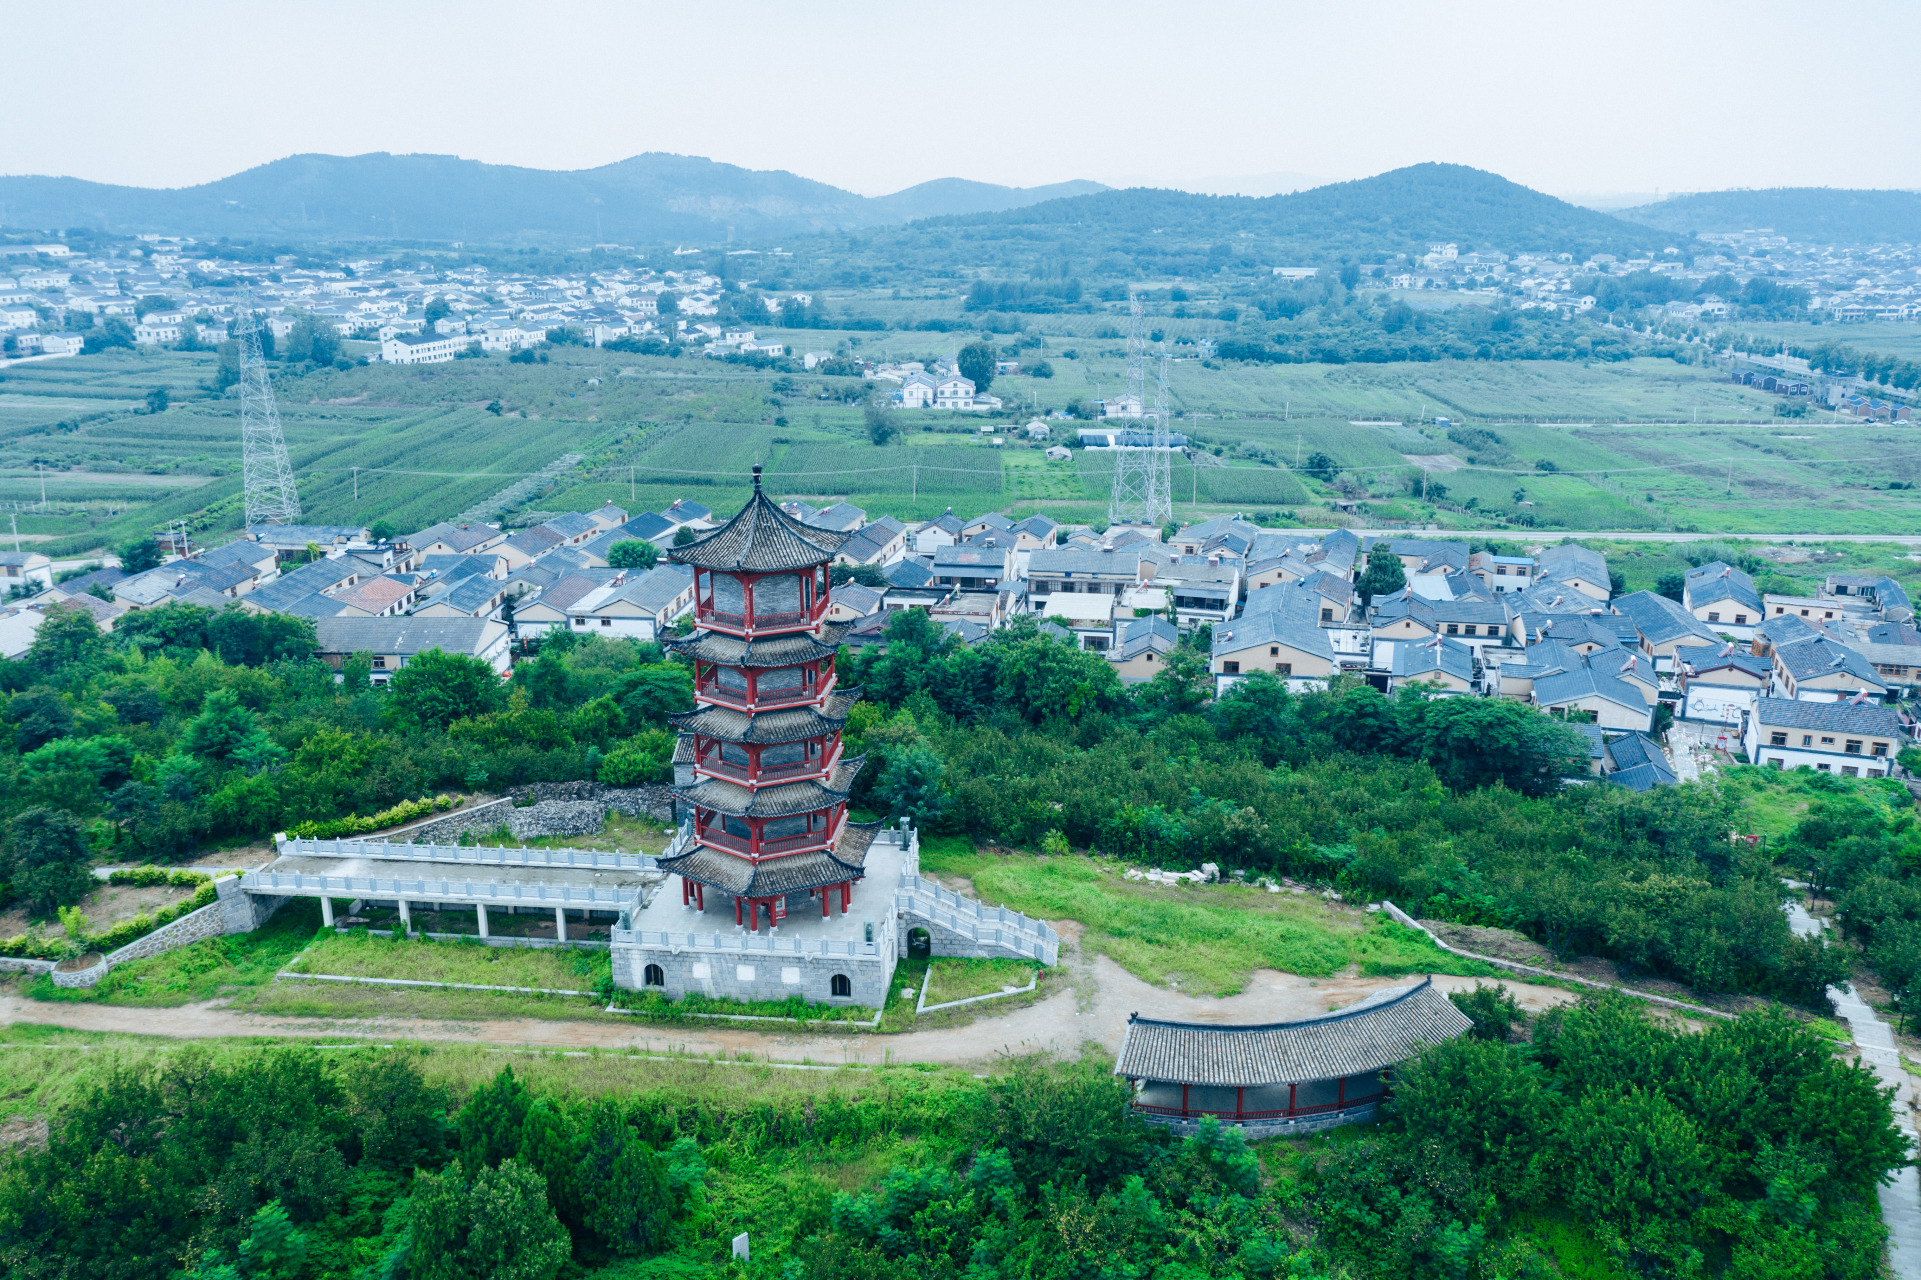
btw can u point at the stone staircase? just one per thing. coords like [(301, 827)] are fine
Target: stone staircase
[(963, 926)]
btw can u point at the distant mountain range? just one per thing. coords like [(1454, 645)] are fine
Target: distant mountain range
[(1401, 211), (1825, 215), (648, 199)]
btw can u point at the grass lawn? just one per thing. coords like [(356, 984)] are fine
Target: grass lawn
[(361, 955), (1206, 939), (961, 979), (223, 966)]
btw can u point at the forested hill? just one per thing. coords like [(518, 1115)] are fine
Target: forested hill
[(1401, 211), (1824, 215), (644, 199)]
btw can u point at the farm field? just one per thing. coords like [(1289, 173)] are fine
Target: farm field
[(419, 444)]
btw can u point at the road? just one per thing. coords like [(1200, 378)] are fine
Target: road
[(1629, 535), (1089, 1013)]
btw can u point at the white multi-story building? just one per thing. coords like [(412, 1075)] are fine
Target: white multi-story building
[(423, 348)]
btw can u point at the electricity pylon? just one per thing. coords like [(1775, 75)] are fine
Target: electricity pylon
[(1143, 475), (266, 475)]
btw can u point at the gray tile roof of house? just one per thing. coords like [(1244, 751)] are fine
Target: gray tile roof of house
[(571, 524), (1037, 526), (908, 573), (1549, 596), (947, 522), (1605, 629), (1643, 777), (1193, 571), (1385, 1028), (992, 520), (207, 598), (842, 517), (1659, 620), (1820, 656), (1890, 596), (684, 510), (1639, 762), (1716, 581), (1834, 717), (1571, 560), (472, 596), (457, 568), (1293, 620), (296, 535), (403, 636), (1587, 680), (214, 577), (1135, 636), (971, 556), (966, 632), (1596, 739), (1542, 658), (1414, 659), (531, 542), (297, 584), (1433, 554), (239, 551), (1883, 633), (851, 595), (1703, 658), (648, 527), (459, 537), (1786, 628), (309, 606), (650, 592), (565, 590), (1063, 560)]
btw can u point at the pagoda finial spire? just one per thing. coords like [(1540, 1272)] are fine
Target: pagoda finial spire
[(756, 477)]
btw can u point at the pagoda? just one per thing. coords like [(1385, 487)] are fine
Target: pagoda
[(769, 788)]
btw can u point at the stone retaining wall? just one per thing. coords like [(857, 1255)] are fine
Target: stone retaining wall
[(756, 975), (653, 800), (81, 977), (21, 964), (209, 921), (479, 820)]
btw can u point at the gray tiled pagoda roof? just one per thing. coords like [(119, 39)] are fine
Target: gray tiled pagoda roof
[(1386, 1028), (790, 725), (761, 538), (745, 878), (773, 802), (775, 651)]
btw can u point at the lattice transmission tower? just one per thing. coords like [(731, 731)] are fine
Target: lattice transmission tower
[(266, 475), (1143, 474)]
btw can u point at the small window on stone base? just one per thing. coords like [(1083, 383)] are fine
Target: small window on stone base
[(841, 986), (655, 976)]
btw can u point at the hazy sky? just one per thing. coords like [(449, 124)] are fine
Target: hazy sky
[(1567, 97)]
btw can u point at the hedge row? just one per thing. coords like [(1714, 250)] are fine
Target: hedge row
[(355, 825)]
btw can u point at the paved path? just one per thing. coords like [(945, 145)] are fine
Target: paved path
[(1874, 1043), (1088, 1014)]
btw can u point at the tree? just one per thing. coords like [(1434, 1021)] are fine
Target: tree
[(1671, 585), (499, 1227), (226, 731), (113, 332), (47, 859), (139, 555), (436, 688), (67, 642), (152, 302), (634, 553), (1383, 575), (684, 536), (867, 575), (976, 363), (666, 302), (314, 340), (157, 400), (1474, 742), (1494, 1011), (401, 1118), (883, 424), (910, 785), (1321, 467), (623, 1185), (435, 311)]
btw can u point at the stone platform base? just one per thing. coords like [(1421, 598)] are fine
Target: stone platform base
[(1274, 1128)]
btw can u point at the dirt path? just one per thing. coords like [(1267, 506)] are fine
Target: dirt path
[(1092, 1010)]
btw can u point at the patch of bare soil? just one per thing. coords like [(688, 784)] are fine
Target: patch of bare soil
[(104, 907), (25, 1132)]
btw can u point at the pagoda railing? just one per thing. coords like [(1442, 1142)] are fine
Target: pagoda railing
[(748, 944), (766, 700), (768, 772), (805, 842)]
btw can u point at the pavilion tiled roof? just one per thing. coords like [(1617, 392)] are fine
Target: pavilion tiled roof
[(773, 651), (761, 538), (773, 802), (1386, 1028), (790, 873), (790, 724)]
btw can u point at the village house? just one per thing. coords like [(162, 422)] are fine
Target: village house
[(1723, 597), (393, 642), (1849, 738), (637, 605)]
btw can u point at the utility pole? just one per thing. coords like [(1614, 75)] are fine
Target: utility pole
[(16, 530), (356, 484), (39, 467)]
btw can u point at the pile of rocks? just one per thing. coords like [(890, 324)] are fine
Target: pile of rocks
[(557, 818), (650, 800)]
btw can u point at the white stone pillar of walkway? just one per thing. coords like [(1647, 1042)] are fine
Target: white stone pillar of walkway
[(482, 908), (326, 911), (560, 923), (406, 918)]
